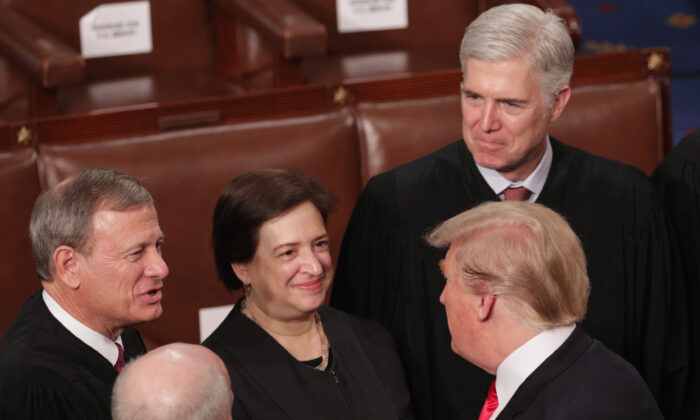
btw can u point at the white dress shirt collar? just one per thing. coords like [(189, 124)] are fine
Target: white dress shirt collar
[(534, 182), (520, 364), (87, 335)]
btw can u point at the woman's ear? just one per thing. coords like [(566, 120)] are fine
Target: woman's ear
[(241, 271)]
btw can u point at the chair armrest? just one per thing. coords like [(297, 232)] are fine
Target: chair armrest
[(280, 21), (29, 47)]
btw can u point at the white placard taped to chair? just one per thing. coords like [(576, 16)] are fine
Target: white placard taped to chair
[(116, 29), (210, 318), (371, 15)]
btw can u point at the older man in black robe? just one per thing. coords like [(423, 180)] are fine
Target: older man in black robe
[(517, 62), (96, 242)]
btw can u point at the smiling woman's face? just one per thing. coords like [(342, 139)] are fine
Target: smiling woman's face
[(292, 268)]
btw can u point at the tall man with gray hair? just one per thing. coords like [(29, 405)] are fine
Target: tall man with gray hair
[(516, 287), (517, 61), (177, 381), (97, 244)]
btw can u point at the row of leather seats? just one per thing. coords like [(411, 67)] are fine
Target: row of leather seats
[(186, 169)]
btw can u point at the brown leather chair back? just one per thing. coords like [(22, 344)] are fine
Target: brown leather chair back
[(620, 121), (187, 170), (19, 187), (396, 132)]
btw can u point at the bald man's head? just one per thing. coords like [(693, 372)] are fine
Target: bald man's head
[(176, 381)]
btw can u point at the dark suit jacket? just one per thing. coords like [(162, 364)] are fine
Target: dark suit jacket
[(48, 373), (364, 379), (582, 379)]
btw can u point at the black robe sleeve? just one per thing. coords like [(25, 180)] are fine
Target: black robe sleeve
[(371, 257), (636, 307), (35, 393), (677, 182), (660, 314)]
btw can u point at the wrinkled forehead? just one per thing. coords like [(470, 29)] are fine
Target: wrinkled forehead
[(113, 209)]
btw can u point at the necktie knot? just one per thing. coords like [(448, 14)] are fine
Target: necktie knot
[(120, 359), (516, 194), (491, 403)]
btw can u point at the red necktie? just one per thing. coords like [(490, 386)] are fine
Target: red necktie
[(516, 194), (120, 359), (491, 403)]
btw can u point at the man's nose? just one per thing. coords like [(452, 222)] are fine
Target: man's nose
[(157, 266), (488, 120)]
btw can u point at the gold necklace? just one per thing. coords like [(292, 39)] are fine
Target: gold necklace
[(319, 329), (324, 343)]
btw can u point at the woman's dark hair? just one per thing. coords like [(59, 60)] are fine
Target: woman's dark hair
[(252, 199)]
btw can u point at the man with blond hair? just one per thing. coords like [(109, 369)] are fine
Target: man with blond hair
[(517, 62), (175, 382), (516, 287)]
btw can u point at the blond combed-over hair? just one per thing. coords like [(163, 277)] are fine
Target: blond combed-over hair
[(522, 252)]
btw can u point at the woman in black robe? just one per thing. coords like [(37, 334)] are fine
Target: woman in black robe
[(288, 356)]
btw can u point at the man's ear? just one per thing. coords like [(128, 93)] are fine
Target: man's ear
[(241, 271), (67, 266), (485, 309), (560, 103)]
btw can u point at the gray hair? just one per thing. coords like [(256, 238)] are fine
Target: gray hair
[(204, 397), (513, 31), (523, 252), (63, 214), (200, 391)]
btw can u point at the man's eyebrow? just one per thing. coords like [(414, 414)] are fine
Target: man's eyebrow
[(441, 264), (468, 92), (513, 100)]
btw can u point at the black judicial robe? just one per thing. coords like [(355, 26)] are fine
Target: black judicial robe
[(677, 180), (583, 380), (48, 373), (386, 270), (364, 380)]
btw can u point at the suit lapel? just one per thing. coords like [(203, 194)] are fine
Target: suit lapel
[(577, 343)]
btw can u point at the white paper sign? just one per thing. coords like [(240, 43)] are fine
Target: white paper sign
[(210, 318), (116, 29), (371, 15)]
